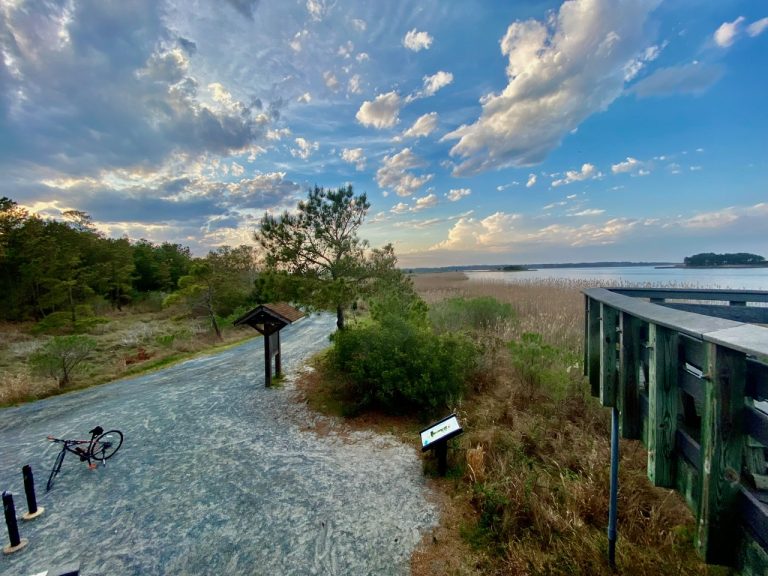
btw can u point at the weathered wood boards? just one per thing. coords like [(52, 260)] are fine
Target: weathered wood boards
[(693, 388)]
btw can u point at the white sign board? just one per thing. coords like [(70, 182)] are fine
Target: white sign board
[(446, 428)]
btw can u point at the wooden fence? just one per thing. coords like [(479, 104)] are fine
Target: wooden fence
[(687, 371)]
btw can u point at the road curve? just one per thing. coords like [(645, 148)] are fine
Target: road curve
[(217, 475)]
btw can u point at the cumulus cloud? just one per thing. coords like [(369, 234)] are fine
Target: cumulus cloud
[(433, 83), (304, 148), (630, 165), (487, 233), (330, 80), (457, 194), (359, 24), (531, 181), (560, 73), (726, 34), (353, 86), (428, 201), (416, 41), (394, 173), (424, 126), (297, 43), (757, 27), (693, 78), (589, 212), (587, 172), (318, 9), (382, 112), (354, 156), (305, 98)]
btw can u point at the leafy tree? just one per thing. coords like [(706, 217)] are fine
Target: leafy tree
[(314, 257), (61, 357), (217, 284)]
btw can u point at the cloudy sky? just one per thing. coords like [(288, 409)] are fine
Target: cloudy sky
[(482, 132)]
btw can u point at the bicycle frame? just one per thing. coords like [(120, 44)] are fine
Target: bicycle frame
[(100, 447)]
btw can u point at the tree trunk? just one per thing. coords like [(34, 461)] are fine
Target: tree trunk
[(212, 314), (340, 317)]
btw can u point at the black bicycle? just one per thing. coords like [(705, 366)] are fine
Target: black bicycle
[(99, 448)]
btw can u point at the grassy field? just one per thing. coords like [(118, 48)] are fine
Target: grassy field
[(527, 488), (127, 343)]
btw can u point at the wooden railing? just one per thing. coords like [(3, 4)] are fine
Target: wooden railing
[(693, 388)]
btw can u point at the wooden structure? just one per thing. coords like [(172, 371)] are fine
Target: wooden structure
[(268, 320), (693, 389)]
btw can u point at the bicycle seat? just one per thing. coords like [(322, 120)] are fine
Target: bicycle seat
[(96, 431)]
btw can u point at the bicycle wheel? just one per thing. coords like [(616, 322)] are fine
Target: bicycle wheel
[(106, 445), (55, 469)]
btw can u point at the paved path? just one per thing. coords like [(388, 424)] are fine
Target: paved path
[(217, 475)]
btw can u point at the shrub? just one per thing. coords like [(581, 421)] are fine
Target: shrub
[(483, 313), (61, 357), (538, 365), (402, 366)]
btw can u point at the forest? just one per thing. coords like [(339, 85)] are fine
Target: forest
[(708, 259)]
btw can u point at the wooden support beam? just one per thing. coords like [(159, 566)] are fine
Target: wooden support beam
[(608, 360), (593, 345), (722, 444), (663, 399), (630, 419)]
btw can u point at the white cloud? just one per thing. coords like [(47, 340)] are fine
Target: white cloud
[(424, 126), (432, 84), (298, 40), (590, 212), (345, 50), (362, 57), (629, 165), (237, 169), (394, 173), (354, 84), (531, 180), (487, 233), (400, 208), (305, 148), (305, 98), (318, 9), (456, 194), (560, 73), (757, 27), (382, 112), (726, 34), (354, 156), (588, 171), (693, 78), (278, 134), (425, 202), (359, 24), (330, 80), (416, 41)]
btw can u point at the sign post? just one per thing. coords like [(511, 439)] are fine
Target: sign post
[(436, 436)]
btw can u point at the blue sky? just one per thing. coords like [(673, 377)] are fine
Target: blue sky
[(482, 132)]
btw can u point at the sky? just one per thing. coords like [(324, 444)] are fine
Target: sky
[(481, 132)]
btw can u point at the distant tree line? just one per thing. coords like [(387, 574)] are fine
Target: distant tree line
[(711, 259), (55, 267)]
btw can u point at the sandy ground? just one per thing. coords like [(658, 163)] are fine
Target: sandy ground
[(217, 475)]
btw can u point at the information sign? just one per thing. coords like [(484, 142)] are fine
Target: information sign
[(447, 428)]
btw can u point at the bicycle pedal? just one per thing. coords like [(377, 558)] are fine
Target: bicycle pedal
[(92, 466)]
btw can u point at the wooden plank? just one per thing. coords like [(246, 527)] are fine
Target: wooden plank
[(688, 484), (693, 351), (722, 443), (695, 294), (752, 340), (593, 346), (756, 424), (757, 379), (753, 557), (662, 405), (628, 399), (694, 325), (746, 314), (688, 448), (754, 515), (608, 364), (691, 384)]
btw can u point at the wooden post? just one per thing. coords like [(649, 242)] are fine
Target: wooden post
[(608, 339), (662, 405), (593, 345), (722, 441), (629, 372), (278, 367), (267, 359)]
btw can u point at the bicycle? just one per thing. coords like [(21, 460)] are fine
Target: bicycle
[(100, 448)]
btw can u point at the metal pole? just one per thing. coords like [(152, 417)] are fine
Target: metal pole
[(13, 529), (29, 489), (614, 487), (442, 457)]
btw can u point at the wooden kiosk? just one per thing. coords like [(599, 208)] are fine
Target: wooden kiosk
[(268, 320)]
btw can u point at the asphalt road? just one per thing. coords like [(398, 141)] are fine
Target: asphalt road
[(217, 475)]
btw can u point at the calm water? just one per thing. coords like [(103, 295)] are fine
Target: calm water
[(723, 278)]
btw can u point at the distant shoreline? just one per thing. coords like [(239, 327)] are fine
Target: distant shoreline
[(716, 267)]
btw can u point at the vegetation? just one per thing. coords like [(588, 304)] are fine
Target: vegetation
[(527, 489), (61, 357), (314, 256), (708, 259)]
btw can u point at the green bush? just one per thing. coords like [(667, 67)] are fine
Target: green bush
[(402, 366), (455, 314), (538, 365), (61, 357)]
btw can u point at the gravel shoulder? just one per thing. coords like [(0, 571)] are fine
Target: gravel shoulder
[(217, 475)]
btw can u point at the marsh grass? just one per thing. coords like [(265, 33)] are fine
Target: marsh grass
[(533, 495)]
